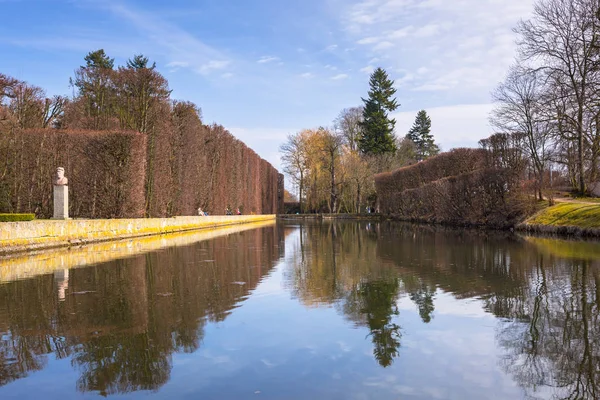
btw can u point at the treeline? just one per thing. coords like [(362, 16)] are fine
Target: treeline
[(332, 168), (548, 108), (128, 149)]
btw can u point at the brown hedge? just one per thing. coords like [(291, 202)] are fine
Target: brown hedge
[(454, 162), (172, 170), (105, 170), (453, 188)]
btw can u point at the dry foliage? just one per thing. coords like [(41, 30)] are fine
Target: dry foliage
[(105, 170), (459, 187)]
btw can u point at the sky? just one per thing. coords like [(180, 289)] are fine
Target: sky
[(268, 68)]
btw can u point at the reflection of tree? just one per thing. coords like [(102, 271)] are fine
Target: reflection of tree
[(121, 364), (554, 341), (423, 298), (120, 322), (18, 363), (337, 265), (375, 303)]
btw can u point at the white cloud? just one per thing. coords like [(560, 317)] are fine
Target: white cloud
[(427, 31), (368, 40), (267, 59), (173, 42), (306, 75), (339, 77), (465, 45), (368, 69), (383, 45), (210, 66), (178, 64), (331, 47), (400, 33)]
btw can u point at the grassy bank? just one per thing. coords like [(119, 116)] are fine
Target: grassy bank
[(568, 218), (569, 214)]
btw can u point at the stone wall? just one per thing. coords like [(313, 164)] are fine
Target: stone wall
[(31, 235), (34, 263)]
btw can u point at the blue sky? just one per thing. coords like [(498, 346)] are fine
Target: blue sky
[(267, 68)]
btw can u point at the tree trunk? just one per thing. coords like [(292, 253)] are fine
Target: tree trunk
[(301, 189), (580, 156)]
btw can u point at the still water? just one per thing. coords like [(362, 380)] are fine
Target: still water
[(312, 311)]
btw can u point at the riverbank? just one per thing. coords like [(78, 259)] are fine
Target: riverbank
[(571, 218), (303, 217), (43, 234)]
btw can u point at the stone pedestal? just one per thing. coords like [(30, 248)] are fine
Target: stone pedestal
[(61, 202)]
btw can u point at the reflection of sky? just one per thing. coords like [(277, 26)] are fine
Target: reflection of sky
[(273, 347)]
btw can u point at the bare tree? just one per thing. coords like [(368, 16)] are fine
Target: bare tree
[(347, 124), (331, 147), (561, 41), (522, 113), (53, 111), (294, 158)]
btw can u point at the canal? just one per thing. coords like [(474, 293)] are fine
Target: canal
[(332, 310)]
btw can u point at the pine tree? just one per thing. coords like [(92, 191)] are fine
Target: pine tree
[(420, 135), (377, 129), (99, 59)]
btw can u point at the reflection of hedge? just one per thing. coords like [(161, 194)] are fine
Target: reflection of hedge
[(471, 196), (16, 217), (173, 170)]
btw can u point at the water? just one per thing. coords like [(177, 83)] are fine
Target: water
[(313, 311)]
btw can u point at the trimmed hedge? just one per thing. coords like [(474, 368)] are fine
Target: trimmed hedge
[(456, 188), (452, 163), (121, 174), (16, 217)]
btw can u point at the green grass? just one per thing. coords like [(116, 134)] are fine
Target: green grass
[(569, 214), (16, 217)]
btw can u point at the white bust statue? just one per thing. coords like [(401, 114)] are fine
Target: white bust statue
[(61, 179)]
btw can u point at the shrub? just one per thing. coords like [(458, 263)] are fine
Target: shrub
[(16, 217)]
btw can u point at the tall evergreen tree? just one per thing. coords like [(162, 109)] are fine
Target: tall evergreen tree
[(377, 128), (95, 83), (420, 135)]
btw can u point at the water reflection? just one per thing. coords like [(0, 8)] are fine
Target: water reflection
[(120, 322), (370, 313), (549, 304)]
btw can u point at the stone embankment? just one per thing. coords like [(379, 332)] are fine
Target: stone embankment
[(42, 234), (32, 263)]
